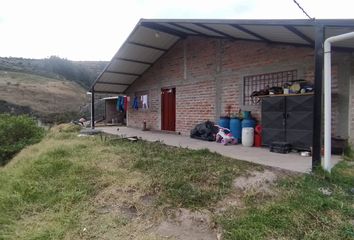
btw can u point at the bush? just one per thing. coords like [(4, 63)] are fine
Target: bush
[(16, 132)]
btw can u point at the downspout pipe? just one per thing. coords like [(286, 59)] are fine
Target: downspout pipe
[(326, 164), (92, 109)]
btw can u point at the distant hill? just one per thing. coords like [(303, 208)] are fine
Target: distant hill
[(49, 99), (81, 72), (52, 89)]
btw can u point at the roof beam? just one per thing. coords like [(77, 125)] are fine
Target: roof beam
[(124, 73), (117, 84), (250, 32), (147, 46), (299, 34), (152, 65), (134, 61), (187, 28), (164, 29), (216, 31), (108, 92)]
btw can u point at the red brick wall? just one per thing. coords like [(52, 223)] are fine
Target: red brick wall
[(194, 103), (214, 78)]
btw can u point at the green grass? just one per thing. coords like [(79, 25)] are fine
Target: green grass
[(301, 211), (186, 178), (54, 189), (49, 187)]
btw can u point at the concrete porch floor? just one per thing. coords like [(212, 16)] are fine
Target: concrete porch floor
[(290, 161)]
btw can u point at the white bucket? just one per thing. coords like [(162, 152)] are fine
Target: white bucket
[(247, 136)]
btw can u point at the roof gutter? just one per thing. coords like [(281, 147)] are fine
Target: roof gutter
[(328, 96)]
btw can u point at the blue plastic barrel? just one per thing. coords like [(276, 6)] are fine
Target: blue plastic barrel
[(224, 122), (235, 127), (248, 123)]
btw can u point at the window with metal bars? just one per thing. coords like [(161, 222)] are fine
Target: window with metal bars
[(259, 82)]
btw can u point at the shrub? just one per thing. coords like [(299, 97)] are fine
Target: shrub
[(16, 132)]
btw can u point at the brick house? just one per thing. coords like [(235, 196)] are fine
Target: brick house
[(197, 70)]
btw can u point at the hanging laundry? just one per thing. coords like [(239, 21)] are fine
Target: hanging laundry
[(117, 105), (144, 100), (125, 103), (135, 103), (120, 104)]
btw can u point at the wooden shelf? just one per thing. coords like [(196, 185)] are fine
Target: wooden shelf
[(286, 95)]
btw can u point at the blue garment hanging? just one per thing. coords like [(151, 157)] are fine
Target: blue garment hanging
[(120, 104), (117, 105), (135, 103)]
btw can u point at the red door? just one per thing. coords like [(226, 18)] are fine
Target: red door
[(168, 109)]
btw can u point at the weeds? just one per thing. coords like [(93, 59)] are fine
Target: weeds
[(302, 211), (51, 187), (185, 177), (52, 190)]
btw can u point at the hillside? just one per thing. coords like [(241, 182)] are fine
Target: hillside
[(52, 89), (41, 96), (81, 72)]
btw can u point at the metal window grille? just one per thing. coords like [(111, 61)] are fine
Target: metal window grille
[(262, 81)]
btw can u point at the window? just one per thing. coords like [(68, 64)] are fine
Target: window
[(259, 82)]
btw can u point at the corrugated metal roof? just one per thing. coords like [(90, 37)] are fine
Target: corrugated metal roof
[(122, 65), (278, 33), (151, 38)]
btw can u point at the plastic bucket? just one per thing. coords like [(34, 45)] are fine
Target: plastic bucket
[(247, 136)]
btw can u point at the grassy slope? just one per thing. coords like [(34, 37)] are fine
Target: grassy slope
[(56, 190), (43, 67), (44, 95), (300, 211)]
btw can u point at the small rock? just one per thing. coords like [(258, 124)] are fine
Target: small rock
[(325, 191), (352, 190)]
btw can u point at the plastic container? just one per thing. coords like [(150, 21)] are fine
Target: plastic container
[(247, 136), (258, 136), (246, 114), (235, 127), (224, 122), (248, 123)]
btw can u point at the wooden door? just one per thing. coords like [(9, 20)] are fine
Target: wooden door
[(168, 109)]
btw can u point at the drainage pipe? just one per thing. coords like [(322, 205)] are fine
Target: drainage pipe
[(328, 96)]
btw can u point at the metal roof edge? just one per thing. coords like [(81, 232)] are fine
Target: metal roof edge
[(107, 66), (303, 22)]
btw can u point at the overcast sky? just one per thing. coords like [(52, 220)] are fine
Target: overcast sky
[(95, 29)]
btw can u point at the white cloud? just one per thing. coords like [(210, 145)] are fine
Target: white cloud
[(94, 29)]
